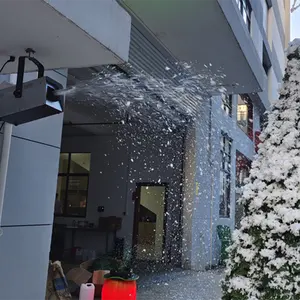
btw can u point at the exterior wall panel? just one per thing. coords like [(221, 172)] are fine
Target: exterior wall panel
[(257, 36), (29, 205), (24, 259)]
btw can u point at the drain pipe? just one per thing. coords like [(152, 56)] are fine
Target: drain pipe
[(211, 184), (7, 134)]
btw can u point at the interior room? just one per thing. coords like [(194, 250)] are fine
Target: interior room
[(108, 163)]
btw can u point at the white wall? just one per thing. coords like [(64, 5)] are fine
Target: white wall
[(281, 10), (256, 36), (114, 174), (264, 14), (278, 46), (273, 86), (198, 197), (271, 20)]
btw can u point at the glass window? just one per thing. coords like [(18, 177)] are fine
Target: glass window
[(243, 166), (225, 177), (60, 195), (80, 163), (77, 195), (72, 184), (245, 9), (245, 115), (63, 162), (266, 60), (227, 104)]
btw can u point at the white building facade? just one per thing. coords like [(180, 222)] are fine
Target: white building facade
[(199, 164), (231, 131)]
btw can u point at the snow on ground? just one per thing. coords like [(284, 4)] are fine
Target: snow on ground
[(180, 285), (183, 285)]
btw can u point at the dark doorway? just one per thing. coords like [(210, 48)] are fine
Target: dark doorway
[(149, 222)]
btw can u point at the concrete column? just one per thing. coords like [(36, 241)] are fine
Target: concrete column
[(198, 202), (189, 193), (29, 204)]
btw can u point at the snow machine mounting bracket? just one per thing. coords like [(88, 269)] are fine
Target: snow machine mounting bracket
[(21, 69)]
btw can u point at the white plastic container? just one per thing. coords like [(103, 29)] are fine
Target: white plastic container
[(87, 291)]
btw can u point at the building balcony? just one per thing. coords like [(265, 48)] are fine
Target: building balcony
[(211, 34), (64, 33)]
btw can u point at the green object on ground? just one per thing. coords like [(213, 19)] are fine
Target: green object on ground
[(103, 263), (224, 234), (134, 277), (124, 275)]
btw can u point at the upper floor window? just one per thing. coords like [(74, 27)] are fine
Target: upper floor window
[(227, 104), (245, 115), (243, 166), (72, 184), (225, 177), (266, 60), (245, 9)]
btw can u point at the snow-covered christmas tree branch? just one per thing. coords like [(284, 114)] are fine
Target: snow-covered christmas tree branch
[(295, 5), (264, 259)]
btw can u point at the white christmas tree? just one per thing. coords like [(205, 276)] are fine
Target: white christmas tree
[(264, 259)]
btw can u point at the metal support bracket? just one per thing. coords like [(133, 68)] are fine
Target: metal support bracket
[(21, 69)]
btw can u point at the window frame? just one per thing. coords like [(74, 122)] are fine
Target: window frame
[(227, 104), (266, 61), (67, 175), (243, 163), (245, 9), (225, 176), (250, 128)]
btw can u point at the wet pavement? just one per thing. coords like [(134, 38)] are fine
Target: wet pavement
[(181, 285)]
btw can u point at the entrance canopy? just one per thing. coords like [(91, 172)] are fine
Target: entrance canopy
[(64, 33)]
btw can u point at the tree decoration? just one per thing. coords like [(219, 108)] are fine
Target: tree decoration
[(264, 259)]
